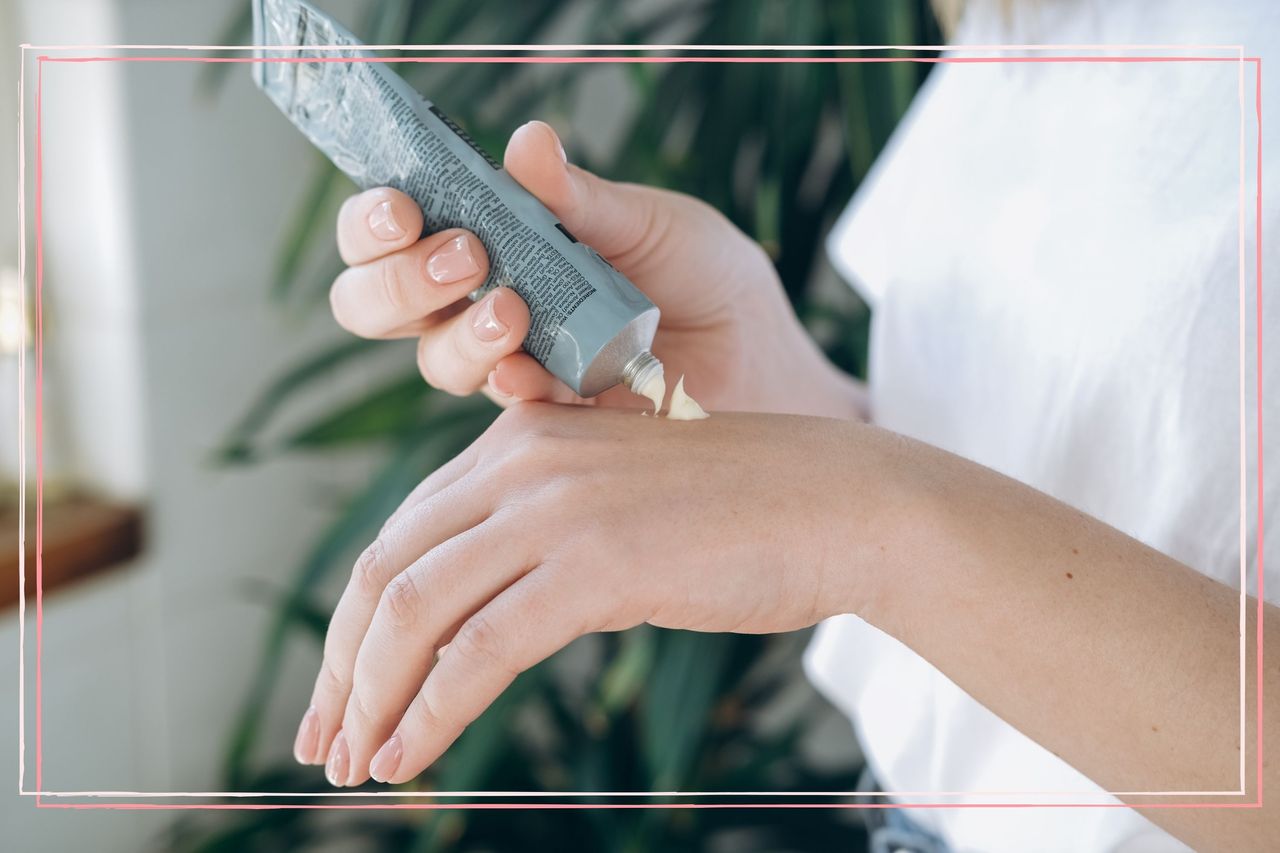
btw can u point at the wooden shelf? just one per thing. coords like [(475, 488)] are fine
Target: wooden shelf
[(83, 537)]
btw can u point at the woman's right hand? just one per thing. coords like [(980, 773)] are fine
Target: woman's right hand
[(726, 322)]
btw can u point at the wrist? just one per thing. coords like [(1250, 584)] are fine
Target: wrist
[(883, 538)]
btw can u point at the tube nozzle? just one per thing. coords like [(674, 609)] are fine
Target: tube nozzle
[(643, 375)]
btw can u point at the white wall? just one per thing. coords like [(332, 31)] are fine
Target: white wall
[(162, 216)]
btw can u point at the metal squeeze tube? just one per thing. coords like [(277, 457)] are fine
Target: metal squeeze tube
[(589, 326)]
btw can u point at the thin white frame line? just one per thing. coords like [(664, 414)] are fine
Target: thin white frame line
[(1240, 59), (544, 48), (22, 422), (1243, 445)]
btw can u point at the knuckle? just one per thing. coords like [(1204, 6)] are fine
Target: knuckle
[(481, 644), (533, 465), (547, 460), (452, 383), (333, 675), (369, 576), (391, 283), (436, 370), (429, 717), (515, 453), (461, 339), (426, 364), (558, 491), (336, 301), (401, 602), (358, 714)]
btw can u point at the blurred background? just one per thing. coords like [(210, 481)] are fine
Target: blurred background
[(217, 451)]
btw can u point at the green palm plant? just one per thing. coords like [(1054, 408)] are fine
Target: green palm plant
[(779, 149)]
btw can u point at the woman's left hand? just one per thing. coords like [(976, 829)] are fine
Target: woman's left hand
[(560, 521)]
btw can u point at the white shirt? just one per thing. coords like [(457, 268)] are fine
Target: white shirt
[(1051, 253)]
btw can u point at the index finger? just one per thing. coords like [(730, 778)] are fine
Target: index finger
[(375, 223)]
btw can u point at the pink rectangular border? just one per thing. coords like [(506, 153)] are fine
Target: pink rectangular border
[(41, 59)]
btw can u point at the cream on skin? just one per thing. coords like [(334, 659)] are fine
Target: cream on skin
[(683, 407)]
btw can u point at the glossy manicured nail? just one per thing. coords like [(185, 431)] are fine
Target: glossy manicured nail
[(452, 262), (338, 767), (383, 224), (487, 325), (308, 739), (387, 760)]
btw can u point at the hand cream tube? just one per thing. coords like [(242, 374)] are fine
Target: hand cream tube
[(589, 326)]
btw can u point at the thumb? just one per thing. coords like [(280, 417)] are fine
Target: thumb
[(610, 217)]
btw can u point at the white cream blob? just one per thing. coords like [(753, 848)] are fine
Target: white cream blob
[(655, 388), (683, 407)]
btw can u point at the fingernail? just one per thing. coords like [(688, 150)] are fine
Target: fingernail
[(382, 222), (495, 387), (486, 324), (559, 148), (387, 760), (308, 739), (452, 262), (338, 767)]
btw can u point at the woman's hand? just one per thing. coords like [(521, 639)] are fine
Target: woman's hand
[(561, 521), (725, 322)]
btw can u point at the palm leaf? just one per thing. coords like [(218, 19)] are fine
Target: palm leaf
[(389, 410), (237, 447), (678, 702)]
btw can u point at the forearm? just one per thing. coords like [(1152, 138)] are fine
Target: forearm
[(1120, 660)]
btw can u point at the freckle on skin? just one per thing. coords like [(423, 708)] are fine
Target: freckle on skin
[(1075, 550), (1070, 576), (1155, 728)]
